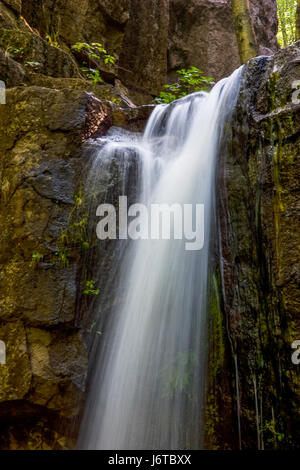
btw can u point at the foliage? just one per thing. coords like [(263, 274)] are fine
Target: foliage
[(274, 436), (74, 234), (92, 74), (90, 330), (63, 257), (85, 245), (34, 66), (90, 288), (286, 10), (78, 199), (53, 39), (36, 259), (16, 53), (93, 52), (189, 81)]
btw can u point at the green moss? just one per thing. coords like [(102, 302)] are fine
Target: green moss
[(212, 419)]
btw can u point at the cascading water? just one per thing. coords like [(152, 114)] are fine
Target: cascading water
[(148, 384)]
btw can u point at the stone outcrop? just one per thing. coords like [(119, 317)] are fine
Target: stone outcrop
[(46, 356), (12, 73), (202, 34), (149, 38), (143, 61), (35, 52), (41, 167), (80, 20), (259, 261), (265, 25)]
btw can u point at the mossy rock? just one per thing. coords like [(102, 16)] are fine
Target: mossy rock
[(34, 52)]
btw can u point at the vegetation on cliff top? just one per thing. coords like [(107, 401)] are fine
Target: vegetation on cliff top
[(189, 81), (286, 10)]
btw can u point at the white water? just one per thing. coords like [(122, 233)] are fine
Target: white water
[(148, 387)]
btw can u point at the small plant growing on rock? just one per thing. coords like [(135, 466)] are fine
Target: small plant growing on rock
[(53, 39), (189, 81), (63, 258), (92, 74), (91, 329), (33, 66), (15, 53), (93, 53), (78, 199), (85, 245), (36, 259), (90, 288)]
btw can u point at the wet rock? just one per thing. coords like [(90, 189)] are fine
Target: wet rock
[(42, 169), (59, 365), (42, 131), (259, 263)]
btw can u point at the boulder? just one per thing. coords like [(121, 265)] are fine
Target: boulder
[(35, 53)]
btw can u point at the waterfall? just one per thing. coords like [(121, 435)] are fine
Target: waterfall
[(148, 381)]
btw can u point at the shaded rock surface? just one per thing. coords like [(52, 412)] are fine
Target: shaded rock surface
[(143, 59), (264, 16), (46, 357), (41, 278), (257, 384), (202, 34)]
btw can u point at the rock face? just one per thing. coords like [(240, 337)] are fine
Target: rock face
[(80, 20), (43, 381), (46, 356), (48, 60), (265, 25), (259, 261), (143, 61), (202, 34), (149, 38)]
